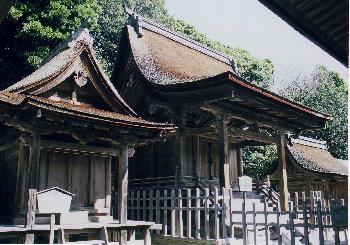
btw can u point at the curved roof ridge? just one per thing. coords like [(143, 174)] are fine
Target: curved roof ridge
[(180, 38)]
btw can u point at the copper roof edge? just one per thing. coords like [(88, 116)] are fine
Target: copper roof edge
[(244, 83)]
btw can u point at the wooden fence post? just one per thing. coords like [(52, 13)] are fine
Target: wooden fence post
[(173, 214), (244, 219), (265, 223), (144, 206), (198, 214), (150, 214), (216, 214), (320, 222), (291, 223), (189, 212), (224, 215), (296, 204), (306, 223), (335, 227), (254, 223), (278, 223), (157, 210), (179, 221), (206, 213), (138, 205), (232, 231), (165, 213)]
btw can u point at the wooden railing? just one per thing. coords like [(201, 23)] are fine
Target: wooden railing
[(225, 215)]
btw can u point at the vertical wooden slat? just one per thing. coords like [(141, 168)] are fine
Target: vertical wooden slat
[(173, 215), (197, 214), (132, 205), (144, 206), (291, 223), (180, 220), (296, 204), (216, 214), (52, 228), (278, 213), (165, 213), (335, 227), (244, 219), (320, 222), (224, 215), (138, 205), (306, 224), (265, 223), (158, 210), (150, 206), (232, 231), (189, 212), (206, 213), (254, 223)]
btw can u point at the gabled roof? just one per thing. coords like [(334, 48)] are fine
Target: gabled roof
[(177, 70), (313, 156), (73, 56), (62, 63)]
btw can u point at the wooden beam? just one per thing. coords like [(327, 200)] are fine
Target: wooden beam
[(250, 135), (224, 168), (283, 179)]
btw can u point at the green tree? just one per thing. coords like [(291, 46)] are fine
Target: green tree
[(33, 29), (327, 92)]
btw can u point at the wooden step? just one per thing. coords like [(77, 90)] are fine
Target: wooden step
[(88, 242)]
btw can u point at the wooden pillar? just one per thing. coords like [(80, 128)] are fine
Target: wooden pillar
[(33, 163), (195, 155), (178, 148), (123, 184), (282, 168), (240, 162), (224, 167), (32, 183)]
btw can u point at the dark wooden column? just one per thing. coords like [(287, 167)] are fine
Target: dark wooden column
[(224, 169), (33, 163), (32, 183), (195, 155), (282, 169), (178, 148), (239, 162), (123, 184)]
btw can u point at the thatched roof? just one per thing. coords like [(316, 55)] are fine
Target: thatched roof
[(313, 155)]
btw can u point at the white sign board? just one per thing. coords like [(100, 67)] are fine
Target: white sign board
[(54, 200), (245, 183)]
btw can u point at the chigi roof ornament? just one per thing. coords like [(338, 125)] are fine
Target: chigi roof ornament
[(82, 34), (134, 20)]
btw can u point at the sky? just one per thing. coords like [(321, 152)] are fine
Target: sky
[(250, 25)]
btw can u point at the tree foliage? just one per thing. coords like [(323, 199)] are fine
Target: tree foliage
[(327, 92), (33, 29)]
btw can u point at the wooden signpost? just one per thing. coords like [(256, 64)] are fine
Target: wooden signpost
[(245, 184)]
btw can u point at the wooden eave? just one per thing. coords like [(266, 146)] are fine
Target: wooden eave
[(34, 114), (326, 23), (234, 94)]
